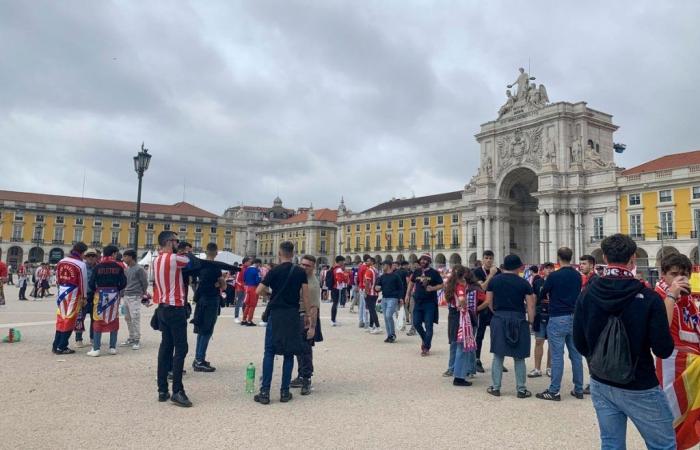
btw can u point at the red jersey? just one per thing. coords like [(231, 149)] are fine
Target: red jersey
[(361, 275), (239, 284), (370, 279), (169, 287), (338, 278), (685, 326), (3, 270)]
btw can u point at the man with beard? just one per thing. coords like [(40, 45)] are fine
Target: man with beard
[(426, 281)]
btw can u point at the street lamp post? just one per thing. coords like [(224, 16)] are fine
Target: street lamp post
[(661, 234), (141, 161)]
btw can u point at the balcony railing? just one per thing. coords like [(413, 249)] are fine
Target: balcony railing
[(412, 247), (366, 248), (597, 238), (399, 247), (693, 234), (96, 243), (16, 239), (454, 245), (472, 244), (666, 235), (388, 248), (356, 249), (37, 241), (440, 246), (377, 248), (57, 241), (425, 247), (637, 236)]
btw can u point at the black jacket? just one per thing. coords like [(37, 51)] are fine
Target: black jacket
[(643, 314)]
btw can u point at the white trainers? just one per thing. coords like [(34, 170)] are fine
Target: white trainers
[(237, 320), (112, 351), (333, 324), (126, 343), (376, 331), (534, 373), (549, 372), (94, 353), (136, 345)]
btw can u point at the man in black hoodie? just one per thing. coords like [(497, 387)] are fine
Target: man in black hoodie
[(643, 315)]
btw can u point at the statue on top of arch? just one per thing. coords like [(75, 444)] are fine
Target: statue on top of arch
[(527, 97)]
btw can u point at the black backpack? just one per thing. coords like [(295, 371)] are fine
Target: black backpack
[(611, 359), (330, 277)]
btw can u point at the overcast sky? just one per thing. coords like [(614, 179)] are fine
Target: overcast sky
[(241, 100)]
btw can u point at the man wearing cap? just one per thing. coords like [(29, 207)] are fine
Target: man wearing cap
[(426, 281), (506, 296), (90, 259)]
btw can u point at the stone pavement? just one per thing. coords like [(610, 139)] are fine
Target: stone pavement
[(367, 394)]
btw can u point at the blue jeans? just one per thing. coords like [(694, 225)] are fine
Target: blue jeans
[(464, 362), (389, 308), (648, 410), (200, 352), (424, 312), (361, 313), (269, 361), (497, 373), (453, 356), (97, 340), (560, 332), (240, 295)]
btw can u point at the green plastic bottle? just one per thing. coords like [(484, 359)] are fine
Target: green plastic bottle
[(250, 379)]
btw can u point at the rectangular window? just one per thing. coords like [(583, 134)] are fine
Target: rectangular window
[(347, 228), (426, 221), (198, 242), (636, 225), (367, 227), (696, 216), (115, 224), (58, 234), (665, 196), (227, 242), (598, 227), (635, 199), (79, 220), (413, 222), (388, 224), (183, 228), (198, 229), (357, 227), (440, 238), (455, 218), (115, 237), (19, 216), (149, 239), (696, 192), (60, 219), (472, 241), (97, 222), (323, 232), (166, 227), (666, 222), (132, 225), (132, 237), (97, 236), (400, 223), (400, 242), (228, 232), (323, 246), (39, 217), (455, 237), (413, 239), (379, 226), (38, 232), (366, 242), (17, 232), (150, 226), (378, 241), (213, 230), (357, 243), (426, 238), (78, 235), (440, 220)]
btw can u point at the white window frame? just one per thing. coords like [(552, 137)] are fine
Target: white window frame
[(670, 200), (661, 221), (692, 193), (640, 231), (629, 199), (602, 227)]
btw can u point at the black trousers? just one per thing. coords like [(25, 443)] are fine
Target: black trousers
[(23, 290), (484, 321), (371, 304), (305, 360), (172, 322), (335, 298)]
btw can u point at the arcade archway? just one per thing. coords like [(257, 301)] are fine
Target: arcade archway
[(521, 231)]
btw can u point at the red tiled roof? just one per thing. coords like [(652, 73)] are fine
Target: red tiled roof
[(415, 201), (666, 162), (179, 208), (329, 215)]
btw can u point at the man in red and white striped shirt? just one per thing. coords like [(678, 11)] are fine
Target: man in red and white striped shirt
[(169, 295)]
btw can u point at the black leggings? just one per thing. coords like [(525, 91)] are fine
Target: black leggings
[(371, 304), (335, 297), (484, 321)]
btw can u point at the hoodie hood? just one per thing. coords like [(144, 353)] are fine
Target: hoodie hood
[(613, 294)]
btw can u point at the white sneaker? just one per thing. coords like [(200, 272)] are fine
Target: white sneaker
[(376, 331), (79, 344), (368, 329), (126, 343), (136, 346), (549, 372), (94, 353), (534, 373), (333, 324), (237, 320), (402, 328), (262, 324), (112, 351)]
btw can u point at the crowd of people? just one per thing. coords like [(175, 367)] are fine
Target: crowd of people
[(641, 343)]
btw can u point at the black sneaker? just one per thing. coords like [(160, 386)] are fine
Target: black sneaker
[(306, 386), (546, 395), (479, 366), (461, 382), (494, 392), (252, 324), (285, 396), (199, 366), (263, 398), (65, 351), (296, 383), (587, 390), (163, 396), (578, 395), (180, 399), (524, 394)]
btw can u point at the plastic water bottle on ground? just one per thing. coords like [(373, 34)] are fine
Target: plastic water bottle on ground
[(250, 379)]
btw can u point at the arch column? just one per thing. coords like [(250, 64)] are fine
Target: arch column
[(578, 232), (488, 243), (553, 241), (479, 237), (544, 237)]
